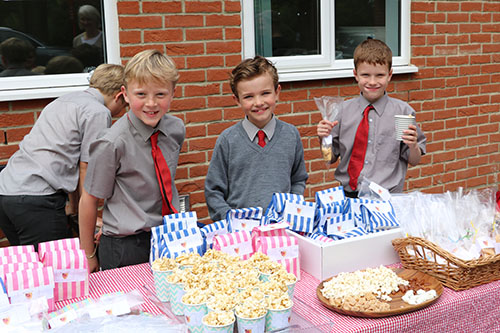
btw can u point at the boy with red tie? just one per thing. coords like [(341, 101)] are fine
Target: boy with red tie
[(364, 129), (128, 168)]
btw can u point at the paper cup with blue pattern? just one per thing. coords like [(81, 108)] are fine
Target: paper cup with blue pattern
[(251, 315), (219, 322), (279, 318), (195, 307), (162, 287), (176, 293)]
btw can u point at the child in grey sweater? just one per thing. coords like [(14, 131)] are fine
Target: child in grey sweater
[(261, 154)]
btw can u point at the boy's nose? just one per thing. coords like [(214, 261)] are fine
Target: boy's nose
[(150, 102)]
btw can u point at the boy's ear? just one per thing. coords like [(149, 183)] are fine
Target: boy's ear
[(124, 94), (390, 74), (236, 99), (278, 90)]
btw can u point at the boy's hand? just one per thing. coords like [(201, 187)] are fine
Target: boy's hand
[(93, 265), (325, 127), (410, 137)]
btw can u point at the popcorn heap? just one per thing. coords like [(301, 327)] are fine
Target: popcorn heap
[(363, 290), (216, 279), (164, 264)]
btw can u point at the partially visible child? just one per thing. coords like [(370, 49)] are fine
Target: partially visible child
[(52, 160), (381, 158), (261, 154), (122, 169)]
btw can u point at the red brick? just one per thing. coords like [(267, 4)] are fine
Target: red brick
[(454, 144), (421, 95), (442, 113), (203, 7), (480, 17), (476, 161), (217, 127), (140, 22), (493, 28), (6, 151), (15, 134), (183, 21), (127, 7), (202, 90), (479, 79), (419, 51), (203, 34), (447, 28), (488, 149), (232, 6), (425, 6), (188, 104), (447, 6), (162, 7), (201, 144), (422, 29), (185, 49), (457, 17), (480, 59), (456, 61), (201, 116), (435, 61), (163, 36), (192, 157), (218, 74), (441, 93), (437, 17), (457, 39), (223, 20), (232, 33), (454, 82), (130, 37), (465, 153), (224, 47), (470, 70), (16, 119), (473, 6), (455, 165), (446, 71), (480, 38), (194, 131), (474, 182), (475, 100)]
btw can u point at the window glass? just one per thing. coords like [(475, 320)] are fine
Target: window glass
[(379, 19), (287, 27), (51, 37)]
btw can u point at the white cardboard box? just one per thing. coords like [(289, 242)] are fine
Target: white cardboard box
[(347, 255)]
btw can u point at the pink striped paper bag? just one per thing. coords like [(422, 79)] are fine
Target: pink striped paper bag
[(58, 245), (268, 230), (18, 266), (30, 284), (11, 250), (282, 249), (20, 257), (237, 243), (71, 276)]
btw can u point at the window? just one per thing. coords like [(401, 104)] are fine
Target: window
[(315, 39), (48, 27)]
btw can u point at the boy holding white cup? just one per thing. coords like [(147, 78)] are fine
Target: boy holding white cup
[(364, 129)]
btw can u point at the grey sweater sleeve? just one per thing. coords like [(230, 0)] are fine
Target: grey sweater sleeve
[(216, 182), (299, 174)]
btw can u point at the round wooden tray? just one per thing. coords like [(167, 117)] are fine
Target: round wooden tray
[(398, 306)]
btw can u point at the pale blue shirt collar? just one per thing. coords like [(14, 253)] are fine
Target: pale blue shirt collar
[(252, 130)]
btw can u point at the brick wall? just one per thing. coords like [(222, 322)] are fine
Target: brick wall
[(455, 44)]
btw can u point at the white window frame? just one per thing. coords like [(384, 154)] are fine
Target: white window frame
[(51, 86), (325, 66)]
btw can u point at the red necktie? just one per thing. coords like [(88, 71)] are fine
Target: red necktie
[(261, 136), (359, 150), (163, 176)]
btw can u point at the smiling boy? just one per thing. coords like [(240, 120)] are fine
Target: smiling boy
[(386, 159), (123, 169), (261, 154)]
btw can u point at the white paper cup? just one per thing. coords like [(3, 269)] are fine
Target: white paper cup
[(162, 287), (251, 324), (176, 293), (193, 315), (402, 123), (278, 319), (218, 329)]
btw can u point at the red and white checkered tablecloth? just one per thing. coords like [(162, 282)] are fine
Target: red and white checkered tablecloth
[(473, 310)]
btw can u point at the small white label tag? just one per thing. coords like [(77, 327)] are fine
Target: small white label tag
[(380, 191)]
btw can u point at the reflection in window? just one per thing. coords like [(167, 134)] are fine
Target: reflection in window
[(292, 27), (357, 20), (50, 37), (287, 27)]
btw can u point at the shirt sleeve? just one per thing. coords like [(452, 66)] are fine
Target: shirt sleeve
[(299, 174), (216, 182), (93, 124), (101, 171)]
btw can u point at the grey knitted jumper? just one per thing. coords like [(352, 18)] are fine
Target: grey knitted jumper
[(242, 174)]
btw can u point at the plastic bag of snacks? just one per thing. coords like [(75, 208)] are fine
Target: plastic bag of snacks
[(329, 107)]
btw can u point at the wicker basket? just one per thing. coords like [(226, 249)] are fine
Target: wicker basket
[(422, 255)]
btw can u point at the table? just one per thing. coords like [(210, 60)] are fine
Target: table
[(473, 310)]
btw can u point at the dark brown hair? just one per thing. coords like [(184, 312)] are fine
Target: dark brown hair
[(250, 68), (373, 51)]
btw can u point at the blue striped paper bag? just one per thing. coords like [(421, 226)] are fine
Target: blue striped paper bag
[(172, 244), (244, 219), (274, 212), (352, 205), (378, 215), (180, 221), (330, 196), (300, 215), (339, 224), (213, 229), (328, 212), (358, 231)]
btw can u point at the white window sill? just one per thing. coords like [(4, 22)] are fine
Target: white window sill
[(335, 74)]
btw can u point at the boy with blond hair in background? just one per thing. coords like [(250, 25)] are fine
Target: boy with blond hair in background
[(125, 168)]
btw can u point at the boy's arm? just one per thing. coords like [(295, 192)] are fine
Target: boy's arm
[(299, 174), (87, 221), (74, 197), (216, 185)]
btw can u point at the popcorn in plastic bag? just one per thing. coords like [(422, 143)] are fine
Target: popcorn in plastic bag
[(329, 108)]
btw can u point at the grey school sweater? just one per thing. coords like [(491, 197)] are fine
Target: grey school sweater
[(242, 174)]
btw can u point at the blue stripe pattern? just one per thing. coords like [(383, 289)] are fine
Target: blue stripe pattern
[(251, 213), (274, 212), (301, 223), (180, 221), (374, 219), (161, 238), (323, 213), (213, 229), (335, 191)]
